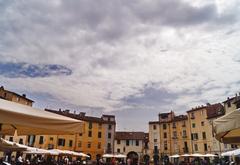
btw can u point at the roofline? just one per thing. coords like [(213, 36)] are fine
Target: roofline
[(19, 95)]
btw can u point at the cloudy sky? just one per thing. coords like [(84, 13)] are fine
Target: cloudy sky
[(133, 59)]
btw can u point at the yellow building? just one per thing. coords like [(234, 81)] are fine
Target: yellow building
[(21, 99), (191, 133), (97, 138), (12, 96)]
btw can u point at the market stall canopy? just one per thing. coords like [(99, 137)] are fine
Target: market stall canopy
[(30, 121), (196, 155), (175, 156), (6, 145), (210, 155), (231, 153), (120, 156), (185, 155), (32, 150), (227, 128), (108, 156)]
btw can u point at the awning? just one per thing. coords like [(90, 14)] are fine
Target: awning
[(6, 145), (30, 121), (231, 153), (120, 156), (174, 156), (108, 156), (227, 128)]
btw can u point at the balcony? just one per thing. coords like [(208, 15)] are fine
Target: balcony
[(174, 137), (192, 117), (184, 136)]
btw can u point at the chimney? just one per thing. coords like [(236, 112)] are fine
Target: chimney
[(2, 88), (82, 114), (67, 111), (208, 104), (74, 112), (24, 95), (60, 110)]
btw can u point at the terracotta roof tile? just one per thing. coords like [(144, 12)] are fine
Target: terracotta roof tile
[(130, 136), (215, 110)]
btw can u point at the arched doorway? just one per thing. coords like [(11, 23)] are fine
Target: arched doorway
[(146, 159), (134, 157)]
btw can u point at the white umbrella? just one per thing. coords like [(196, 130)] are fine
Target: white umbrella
[(228, 153), (108, 156), (185, 155), (6, 145), (120, 156), (32, 150), (174, 156), (197, 155), (210, 155)]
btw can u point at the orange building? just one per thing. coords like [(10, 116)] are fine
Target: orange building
[(97, 138)]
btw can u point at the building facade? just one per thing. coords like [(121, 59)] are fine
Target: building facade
[(191, 133), (97, 138), (132, 144)]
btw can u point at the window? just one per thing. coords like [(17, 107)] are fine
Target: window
[(89, 145), (174, 125), (89, 133), (164, 135), (202, 123), (99, 145), (204, 135), (51, 138), (154, 127), (174, 134), (109, 135), (109, 127), (20, 141), (165, 146), (79, 144), (41, 140), (164, 126), (99, 134), (205, 147), (155, 140), (90, 125), (229, 104), (193, 125), (184, 133), (11, 139), (137, 143), (195, 147), (124, 149), (192, 116), (127, 142), (118, 150), (118, 141), (184, 124), (70, 143), (61, 142), (80, 134), (194, 136)]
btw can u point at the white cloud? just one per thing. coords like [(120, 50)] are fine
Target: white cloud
[(115, 49)]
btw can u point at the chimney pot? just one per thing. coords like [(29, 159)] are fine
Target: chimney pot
[(24, 95)]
